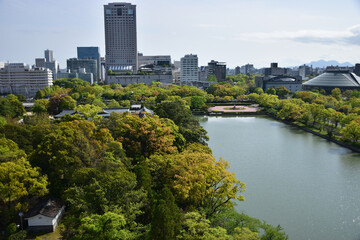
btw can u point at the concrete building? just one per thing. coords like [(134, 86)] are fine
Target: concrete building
[(249, 69), (293, 84), (81, 74), (203, 73), (75, 65), (18, 78), (49, 55), (155, 60), (334, 78), (125, 80), (274, 77), (91, 53), (218, 69), (177, 64), (304, 71), (120, 37), (237, 70), (357, 69), (48, 62), (274, 70), (189, 68)]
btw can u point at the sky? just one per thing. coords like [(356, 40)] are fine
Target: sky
[(237, 32)]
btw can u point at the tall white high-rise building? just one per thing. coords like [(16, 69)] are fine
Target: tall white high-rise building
[(120, 37), (189, 68)]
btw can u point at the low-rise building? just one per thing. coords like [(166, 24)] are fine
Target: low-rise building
[(125, 80), (293, 84), (45, 216), (76, 65), (18, 78), (82, 74)]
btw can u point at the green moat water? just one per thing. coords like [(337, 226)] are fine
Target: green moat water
[(308, 185)]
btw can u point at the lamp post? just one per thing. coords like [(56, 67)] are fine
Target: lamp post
[(21, 221)]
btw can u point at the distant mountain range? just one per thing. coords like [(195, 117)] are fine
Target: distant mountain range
[(322, 63)]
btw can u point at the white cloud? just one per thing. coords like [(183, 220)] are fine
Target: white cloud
[(349, 36)]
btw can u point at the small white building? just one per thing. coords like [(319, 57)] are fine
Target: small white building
[(45, 216)]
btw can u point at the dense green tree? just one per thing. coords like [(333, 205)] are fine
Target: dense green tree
[(58, 103), (70, 82), (177, 110), (109, 226), (166, 217), (40, 106), (282, 91), (351, 132), (10, 106), (271, 91), (197, 102), (9, 150), (195, 226), (231, 219), (89, 112), (70, 146), (18, 182), (212, 78), (200, 181), (142, 136), (336, 93)]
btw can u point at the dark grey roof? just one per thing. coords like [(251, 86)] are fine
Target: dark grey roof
[(335, 79), (143, 109), (47, 207), (64, 112), (117, 110), (281, 79), (107, 111)]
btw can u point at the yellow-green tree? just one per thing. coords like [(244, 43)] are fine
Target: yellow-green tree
[(200, 181)]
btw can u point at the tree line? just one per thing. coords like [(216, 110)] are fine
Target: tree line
[(123, 177)]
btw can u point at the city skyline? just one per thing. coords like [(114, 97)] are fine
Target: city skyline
[(235, 32)]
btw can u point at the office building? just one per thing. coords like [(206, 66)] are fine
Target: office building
[(49, 55), (91, 53), (203, 73), (154, 60), (218, 69), (76, 65), (249, 69), (237, 70), (189, 68), (274, 70), (120, 37), (18, 78), (304, 71), (82, 74), (48, 62), (357, 69)]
